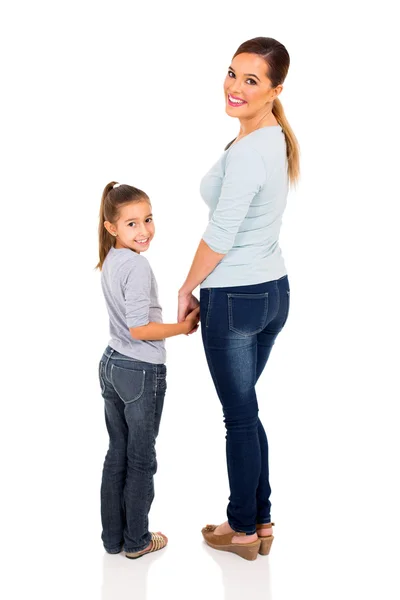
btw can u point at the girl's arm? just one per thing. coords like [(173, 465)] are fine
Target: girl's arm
[(160, 331)]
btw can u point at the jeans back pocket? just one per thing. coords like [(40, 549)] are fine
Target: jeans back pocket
[(128, 383), (247, 313)]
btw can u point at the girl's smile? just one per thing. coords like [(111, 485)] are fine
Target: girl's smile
[(134, 228)]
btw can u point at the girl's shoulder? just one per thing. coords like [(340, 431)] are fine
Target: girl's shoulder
[(126, 260)]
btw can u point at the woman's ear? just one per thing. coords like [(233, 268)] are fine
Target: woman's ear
[(276, 91)]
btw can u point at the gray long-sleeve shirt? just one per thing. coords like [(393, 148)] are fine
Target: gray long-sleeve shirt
[(131, 294), (246, 192)]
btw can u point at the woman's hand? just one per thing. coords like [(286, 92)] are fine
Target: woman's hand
[(186, 303)]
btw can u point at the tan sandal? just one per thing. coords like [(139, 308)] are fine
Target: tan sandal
[(266, 540), (159, 542), (224, 542)]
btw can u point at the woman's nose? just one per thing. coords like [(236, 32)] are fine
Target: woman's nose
[(235, 90)]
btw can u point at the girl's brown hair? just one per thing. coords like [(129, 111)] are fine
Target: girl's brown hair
[(111, 201), (277, 58)]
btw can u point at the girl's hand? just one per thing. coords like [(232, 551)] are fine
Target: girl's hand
[(192, 320), (186, 303)]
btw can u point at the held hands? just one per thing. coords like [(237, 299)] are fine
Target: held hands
[(192, 320), (189, 310)]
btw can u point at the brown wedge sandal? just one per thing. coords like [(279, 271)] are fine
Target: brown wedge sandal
[(159, 542), (266, 540), (224, 542)]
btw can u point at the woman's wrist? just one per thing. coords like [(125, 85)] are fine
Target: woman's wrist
[(184, 292)]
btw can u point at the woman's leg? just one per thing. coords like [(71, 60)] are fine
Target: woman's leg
[(265, 341), (231, 318)]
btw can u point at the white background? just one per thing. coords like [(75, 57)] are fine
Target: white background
[(96, 91)]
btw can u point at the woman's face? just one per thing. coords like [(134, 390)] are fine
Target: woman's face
[(247, 88)]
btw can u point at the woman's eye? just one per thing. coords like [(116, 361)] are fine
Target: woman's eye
[(149, 220), (252, 81), (231, 74)]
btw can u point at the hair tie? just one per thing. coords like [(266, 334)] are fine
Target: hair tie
[(116, 185)]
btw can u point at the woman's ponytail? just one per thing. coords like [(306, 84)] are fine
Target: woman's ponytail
[(277, 60), (292, 145)]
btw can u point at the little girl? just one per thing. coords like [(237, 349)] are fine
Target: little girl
[(132, 370)]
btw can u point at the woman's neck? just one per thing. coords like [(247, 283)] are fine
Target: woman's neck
[(249, 125)]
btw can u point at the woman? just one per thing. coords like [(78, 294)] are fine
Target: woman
[(244, 295)]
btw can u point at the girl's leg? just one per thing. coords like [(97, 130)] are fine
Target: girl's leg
[(114, 470), (143, 418), (140, 388)]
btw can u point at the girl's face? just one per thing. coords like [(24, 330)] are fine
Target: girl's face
[(134, 227), (247, 87)]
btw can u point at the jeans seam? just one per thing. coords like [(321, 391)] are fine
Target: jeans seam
[(287, 313), (102, 384), (208, 308), (106, 365)]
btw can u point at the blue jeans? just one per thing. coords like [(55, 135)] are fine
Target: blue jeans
[(239, 326), (133, 393)]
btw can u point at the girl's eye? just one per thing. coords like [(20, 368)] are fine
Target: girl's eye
[(131, 224), (149, 220)]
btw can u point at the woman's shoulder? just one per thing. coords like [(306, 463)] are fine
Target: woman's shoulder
[(261, 147)]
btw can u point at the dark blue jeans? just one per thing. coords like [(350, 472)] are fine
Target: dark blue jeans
[(133, 393), (239, 326)]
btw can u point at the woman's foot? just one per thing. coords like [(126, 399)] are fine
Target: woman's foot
[(265, 530), (223, 537), (225, 528)]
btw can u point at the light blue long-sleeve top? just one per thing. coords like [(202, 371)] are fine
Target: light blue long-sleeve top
[(246, 192)]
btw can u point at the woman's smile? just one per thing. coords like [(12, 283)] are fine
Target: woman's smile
[(235, 101)]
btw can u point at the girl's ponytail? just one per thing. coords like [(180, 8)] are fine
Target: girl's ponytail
[(111, 201), (106, 240), (292, 145)]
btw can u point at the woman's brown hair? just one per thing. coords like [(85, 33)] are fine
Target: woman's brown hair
[(111, 201), (278, 60)]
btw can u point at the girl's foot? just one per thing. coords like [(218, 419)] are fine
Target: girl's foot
[(225, 528), (158, 541)]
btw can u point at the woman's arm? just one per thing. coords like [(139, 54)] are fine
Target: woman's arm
[(244, 176), (205, 261)]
